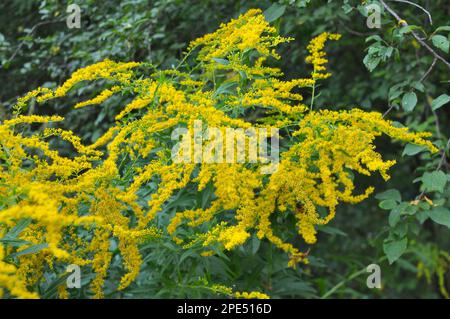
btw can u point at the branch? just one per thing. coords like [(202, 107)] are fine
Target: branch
[(443, 160), (414, 34), (420, 7), (429, 70), (436, 118), (33, 29), (388, 110)]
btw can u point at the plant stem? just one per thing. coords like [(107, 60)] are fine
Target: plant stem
[(351, 277), (313, 94)]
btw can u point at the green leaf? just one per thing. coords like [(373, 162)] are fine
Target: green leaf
[(400, 230), (14, 242), (434, 181), (221, 61), (441, 42), (407, 209), (407, 29), (395, 92), (387, 204), (274, 12), (409, 101), (347, 8), (371, 61), (30, 250), (52, 288), (188, 253), (422, 216), (225, 88), (439, 101), (394, 217), (387, 53), (412, 149), (332, 230), (418, 86), (374, 37), (392, 194), (16, 230), (394, 249), (255, 244), (11, 239), (302, 3), (443, 28), (440, 215)]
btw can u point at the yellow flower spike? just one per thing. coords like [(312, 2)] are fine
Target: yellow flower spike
[(251, 295), (103, 96), (317, 57), (24, 119)]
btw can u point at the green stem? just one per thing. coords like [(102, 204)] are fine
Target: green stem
[(351, 277), (313, 95)]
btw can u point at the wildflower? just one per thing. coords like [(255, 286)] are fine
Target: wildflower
[(115, 189)]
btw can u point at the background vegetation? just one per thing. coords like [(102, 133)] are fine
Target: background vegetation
[(387, 70)]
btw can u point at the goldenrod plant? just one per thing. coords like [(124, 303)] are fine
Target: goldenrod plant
[(100, 206)]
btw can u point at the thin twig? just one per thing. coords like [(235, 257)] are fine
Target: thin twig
[(388, 110), (33, 29), (414, 34), (354, 32), (436, 118), (443, 157), (436, 121), (416, 5), (429, 70)]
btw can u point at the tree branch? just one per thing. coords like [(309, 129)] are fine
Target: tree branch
[(416, 5), (414, 34), (33, 29), (429, 70)]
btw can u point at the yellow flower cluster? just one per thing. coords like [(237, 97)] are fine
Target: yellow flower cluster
[(11, 281), (102, 97), (317, 56), (101, 190), (251, 295), (237, 294), (48, 190), (225, 48)]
